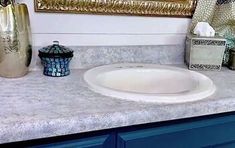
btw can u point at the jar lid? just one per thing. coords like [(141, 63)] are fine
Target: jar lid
[(55, 51), (232, 50)]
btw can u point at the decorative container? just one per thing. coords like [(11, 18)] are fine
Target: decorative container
[(15, 40), (55, 59), (204, 53), (231, 60)]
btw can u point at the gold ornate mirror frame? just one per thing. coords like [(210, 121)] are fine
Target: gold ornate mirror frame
[(175, 8)]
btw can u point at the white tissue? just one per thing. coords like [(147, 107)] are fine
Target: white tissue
[(204, 29)]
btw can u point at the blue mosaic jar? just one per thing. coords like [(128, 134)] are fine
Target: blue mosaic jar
[(55, 59)]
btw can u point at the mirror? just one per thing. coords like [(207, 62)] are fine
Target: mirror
[(172, 8)]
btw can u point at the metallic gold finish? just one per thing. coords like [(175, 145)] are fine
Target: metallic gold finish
[(176, 8), (15, 40)]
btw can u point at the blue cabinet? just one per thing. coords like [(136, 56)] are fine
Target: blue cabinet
[(209, 133), (106, 141)]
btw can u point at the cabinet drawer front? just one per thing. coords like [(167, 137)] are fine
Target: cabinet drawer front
[(106, 141), (223, 145), (210, 133)]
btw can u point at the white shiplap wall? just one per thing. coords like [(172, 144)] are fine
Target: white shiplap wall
[(93, 30)]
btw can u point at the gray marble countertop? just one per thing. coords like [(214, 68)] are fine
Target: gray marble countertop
[(36, 106)]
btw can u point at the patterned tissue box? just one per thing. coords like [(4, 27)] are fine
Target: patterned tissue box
[(55, 59), (204, 53)]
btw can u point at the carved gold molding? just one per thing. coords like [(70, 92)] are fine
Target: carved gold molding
[(176, 8)]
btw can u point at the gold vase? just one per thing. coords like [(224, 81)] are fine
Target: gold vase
[(15, 41)]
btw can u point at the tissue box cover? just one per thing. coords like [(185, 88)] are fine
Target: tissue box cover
[(204, 53), (55, 59)]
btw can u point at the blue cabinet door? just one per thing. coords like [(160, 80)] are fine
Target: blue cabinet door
[(106, 141), (223, 145), (209, 133)]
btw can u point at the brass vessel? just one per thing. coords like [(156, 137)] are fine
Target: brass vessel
[(15, 40)]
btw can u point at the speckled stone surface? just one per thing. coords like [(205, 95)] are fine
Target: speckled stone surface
[(36, 106), (91, 56)]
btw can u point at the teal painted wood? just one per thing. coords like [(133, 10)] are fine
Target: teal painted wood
[(224, 145), (106, 141), (210, 133)]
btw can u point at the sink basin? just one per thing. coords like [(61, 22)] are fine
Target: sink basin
[(149, 83)]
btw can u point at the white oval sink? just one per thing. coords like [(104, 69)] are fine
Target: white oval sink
[(149, 83)]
